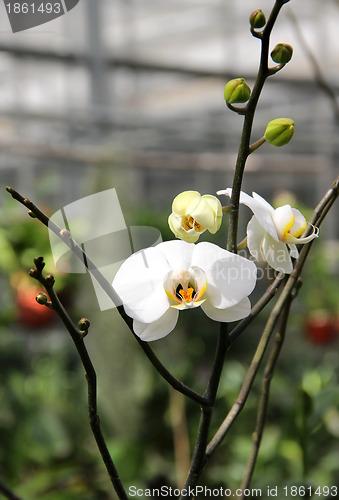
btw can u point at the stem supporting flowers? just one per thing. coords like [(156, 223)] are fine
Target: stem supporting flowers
[(248, 112)]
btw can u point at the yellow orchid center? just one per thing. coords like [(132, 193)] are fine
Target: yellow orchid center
[(186, 295), (186, 288), (188, 223)]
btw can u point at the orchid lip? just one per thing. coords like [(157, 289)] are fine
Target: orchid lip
[(185, 288), (292, 239)]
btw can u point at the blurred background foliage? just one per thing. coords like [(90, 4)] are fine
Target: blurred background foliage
[(129, 95), (47, 450)]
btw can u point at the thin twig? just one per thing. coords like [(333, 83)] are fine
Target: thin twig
[(66, 237), (7, 493), (78, 340), (257, 308), (318, 216), (264, 397), (248, 382)]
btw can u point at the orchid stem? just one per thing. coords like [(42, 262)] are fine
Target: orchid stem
[(78, 340), (198, 458), (244, 147), (318, 216), (7, 493), (265, 393), (257, 144)]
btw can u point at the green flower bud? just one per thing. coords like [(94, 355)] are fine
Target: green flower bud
[(33, 272), (42, 299), (237, 90), (282, 53), (84, 325), (50, 279), (257, 19), (279, 131)]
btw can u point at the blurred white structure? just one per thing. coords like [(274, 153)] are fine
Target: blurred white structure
[(144, 79)]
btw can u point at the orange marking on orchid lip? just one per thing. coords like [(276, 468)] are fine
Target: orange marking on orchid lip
[(187, 296), (198, 227), (187, 223)]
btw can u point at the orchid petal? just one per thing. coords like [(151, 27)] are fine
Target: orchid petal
[(178, 254), (300, 224), (283, 218), (216, 208), (263, 202), (234, 313), (158, 329), (277, 255), (184, 203), (201, 282), (230, 277), (255, 236), (293, 251), (138, 285), (203, 214), (260, 208)]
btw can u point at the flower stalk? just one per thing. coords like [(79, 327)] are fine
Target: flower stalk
[(249, 111), (77, 335)]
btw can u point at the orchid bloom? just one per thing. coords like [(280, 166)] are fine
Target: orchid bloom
[(192, 214), (274, 233), (156, 283)]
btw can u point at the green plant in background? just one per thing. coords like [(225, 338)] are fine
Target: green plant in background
[(17, 251), (159, 284)]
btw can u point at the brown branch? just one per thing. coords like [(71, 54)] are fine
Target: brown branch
[(264, 398), (318, 216), (66, 237), (77, 336), (7, 493)]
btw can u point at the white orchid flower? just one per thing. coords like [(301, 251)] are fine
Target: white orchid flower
[(158, 282), (192, 214), (274, 233)]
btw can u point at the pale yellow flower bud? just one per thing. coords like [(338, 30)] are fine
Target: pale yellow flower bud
[(192, 214)]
